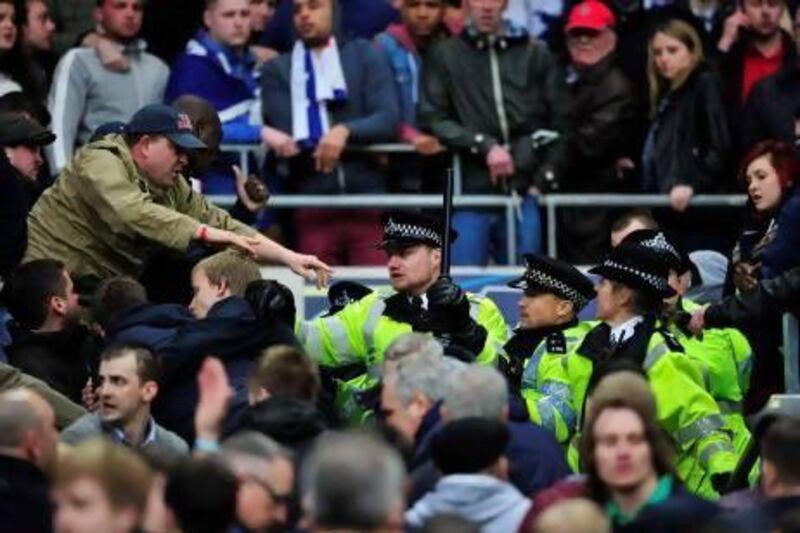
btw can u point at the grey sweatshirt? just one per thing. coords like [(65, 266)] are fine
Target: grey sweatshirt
[(85, 95), (492, 504)]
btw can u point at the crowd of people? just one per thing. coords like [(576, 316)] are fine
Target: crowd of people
[(152, 380)]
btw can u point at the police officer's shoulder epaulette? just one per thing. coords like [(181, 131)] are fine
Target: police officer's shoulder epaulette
[(556, 343), (385, 293), (671, 340)]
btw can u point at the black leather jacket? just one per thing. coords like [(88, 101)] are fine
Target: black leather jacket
[(690, 139), (778, 294)]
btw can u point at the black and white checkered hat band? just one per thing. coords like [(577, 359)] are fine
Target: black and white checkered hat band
[(660, 243), (394, 230), (654, 280), (538, 277)]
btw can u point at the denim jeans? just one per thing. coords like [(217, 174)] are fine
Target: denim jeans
[(482, 234)]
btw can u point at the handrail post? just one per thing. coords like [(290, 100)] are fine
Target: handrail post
[(552, 245), (791, 351), (458, 188), (511, 232)]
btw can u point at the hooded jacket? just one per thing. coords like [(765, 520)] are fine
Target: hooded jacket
[(478, 92), (103, 218), (291, 422), (494, 505)]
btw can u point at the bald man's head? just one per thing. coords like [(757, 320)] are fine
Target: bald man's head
[(27, 428)]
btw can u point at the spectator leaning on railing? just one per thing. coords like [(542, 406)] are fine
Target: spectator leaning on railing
[(491, 120), (125, 191), (327, 94)]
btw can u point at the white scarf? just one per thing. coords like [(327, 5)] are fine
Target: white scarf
[(309, 109)]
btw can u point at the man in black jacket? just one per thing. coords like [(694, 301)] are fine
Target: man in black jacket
[(49, 342), (21, 142), (601, 118), (780, 294), (498, 99)]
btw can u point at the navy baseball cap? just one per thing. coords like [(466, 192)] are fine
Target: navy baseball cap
[(167, 121)]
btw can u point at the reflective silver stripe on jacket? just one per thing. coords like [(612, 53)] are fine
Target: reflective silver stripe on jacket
[(700, 429)]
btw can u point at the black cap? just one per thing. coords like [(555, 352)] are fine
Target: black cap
[(636, 267), (469, 445), (408, 228), (546, 275), (667, 247), (164, 120), (19, 128)]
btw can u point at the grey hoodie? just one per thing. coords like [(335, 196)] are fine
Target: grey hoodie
[(492, 504), (85, 95)]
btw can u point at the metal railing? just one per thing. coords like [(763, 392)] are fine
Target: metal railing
[(553, 201), (510, 204)]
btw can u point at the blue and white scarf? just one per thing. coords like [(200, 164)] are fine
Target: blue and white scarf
[(316, 80)]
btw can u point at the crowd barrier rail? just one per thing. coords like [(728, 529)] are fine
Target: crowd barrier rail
[(509, 203)]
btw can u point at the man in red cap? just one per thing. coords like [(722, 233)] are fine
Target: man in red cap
[(601, 115)]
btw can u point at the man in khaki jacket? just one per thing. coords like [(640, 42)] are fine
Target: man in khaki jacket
[(124, 194)]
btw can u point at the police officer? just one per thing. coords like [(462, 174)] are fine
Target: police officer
[(629, 337), (723, 355), (554, 292), (354, 339)]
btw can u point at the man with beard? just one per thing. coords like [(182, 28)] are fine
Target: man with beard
[(601, 116), (128, 386), (753, 46), (48, 341), (327, 94)]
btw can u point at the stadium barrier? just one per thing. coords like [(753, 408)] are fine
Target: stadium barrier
[(509, 203)]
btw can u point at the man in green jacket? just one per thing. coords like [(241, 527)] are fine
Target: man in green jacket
[(629, 337), (500, 100), (123, 195), (352, 342)]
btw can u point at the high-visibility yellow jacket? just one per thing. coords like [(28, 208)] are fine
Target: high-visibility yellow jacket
[(725, 359), (686, 411), (356, 338)]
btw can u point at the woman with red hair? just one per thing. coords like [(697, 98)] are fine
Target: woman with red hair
[(770, 243), (768, 246)]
